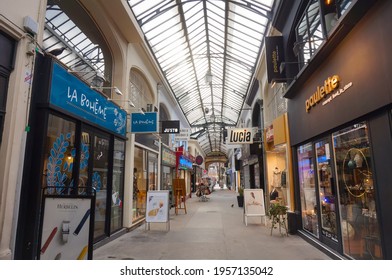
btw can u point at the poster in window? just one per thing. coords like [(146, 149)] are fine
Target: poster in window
[(66, 229)]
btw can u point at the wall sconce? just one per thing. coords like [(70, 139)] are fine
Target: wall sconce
[(283, 64), (283, 80), (141, 111), (130, 103), (98, 79), (116, 90)]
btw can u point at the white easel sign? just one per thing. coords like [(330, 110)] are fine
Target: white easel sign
[(157, 207), (254, 204)]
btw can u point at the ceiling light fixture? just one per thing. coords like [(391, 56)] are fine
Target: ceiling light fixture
[(208, 77)]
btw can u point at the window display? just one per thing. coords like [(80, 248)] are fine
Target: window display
[(139, 185), (359, 223), (326, 190), (307, 188), (59, 155), (118, 185), (100, 183), (278, 186)]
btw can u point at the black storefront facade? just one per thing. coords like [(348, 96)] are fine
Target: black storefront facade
[(340, 131), (75, 146)]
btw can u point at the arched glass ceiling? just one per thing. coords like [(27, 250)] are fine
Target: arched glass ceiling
[(207, 51)]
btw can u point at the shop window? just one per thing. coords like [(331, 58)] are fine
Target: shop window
[(326, 191), (99, 180), (307, 189), (139, 185), (152, 171), (118, 185), (278, 184), (357, 199), (59, 155)]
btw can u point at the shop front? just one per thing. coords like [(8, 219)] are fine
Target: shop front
[(145, 173), (278, 163), (185, 168), (340, 131), (76, 144), (168, 170)]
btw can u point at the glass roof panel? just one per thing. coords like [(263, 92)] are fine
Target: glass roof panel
[(193, 40)]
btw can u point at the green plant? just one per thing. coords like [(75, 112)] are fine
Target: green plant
[(276, 210), (277, 213), (240, 191)]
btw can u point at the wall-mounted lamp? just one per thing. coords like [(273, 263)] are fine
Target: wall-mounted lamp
[(116, 90), (282, 80), (98, 79), (283, 64), (141, 111), (130, 103)]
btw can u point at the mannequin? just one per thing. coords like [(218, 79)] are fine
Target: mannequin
[(276, 177)]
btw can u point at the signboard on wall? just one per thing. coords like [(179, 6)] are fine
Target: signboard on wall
[(77, 98), (144, 123), (240, 135), (169, 127), (184, 135), (274, 56)]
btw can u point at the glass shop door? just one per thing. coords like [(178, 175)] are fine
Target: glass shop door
[(94, 171), (327, 194)]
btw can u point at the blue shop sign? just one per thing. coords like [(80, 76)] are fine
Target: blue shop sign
[(185, 163), (77, 98), (144, 123)]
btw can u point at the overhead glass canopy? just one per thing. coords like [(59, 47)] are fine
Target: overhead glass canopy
[(207, 50)]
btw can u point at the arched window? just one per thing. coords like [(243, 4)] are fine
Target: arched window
[(140, 93), (72, 36)]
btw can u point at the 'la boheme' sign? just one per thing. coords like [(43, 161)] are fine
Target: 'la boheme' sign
[(326, 93), (74, 96)]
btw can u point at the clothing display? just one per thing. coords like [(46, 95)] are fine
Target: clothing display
[(276, 177)]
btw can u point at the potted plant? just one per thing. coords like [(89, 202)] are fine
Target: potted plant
[(277, 213), (240, 197)]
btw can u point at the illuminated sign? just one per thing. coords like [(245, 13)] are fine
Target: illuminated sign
[(185, 163), (321, 92)]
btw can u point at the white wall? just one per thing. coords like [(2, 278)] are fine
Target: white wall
[(12, 13)]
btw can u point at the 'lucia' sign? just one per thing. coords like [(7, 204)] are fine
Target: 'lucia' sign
[(240, 135)]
